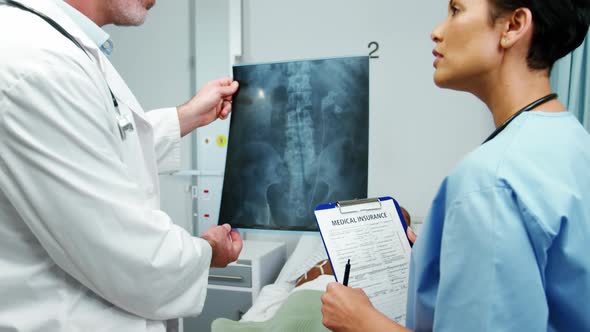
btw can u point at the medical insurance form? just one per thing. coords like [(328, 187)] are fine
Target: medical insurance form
[(373, 236)]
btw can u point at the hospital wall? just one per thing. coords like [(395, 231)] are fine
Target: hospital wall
[(418, 132)]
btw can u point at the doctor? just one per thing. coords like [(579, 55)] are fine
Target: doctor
[(84, 245)]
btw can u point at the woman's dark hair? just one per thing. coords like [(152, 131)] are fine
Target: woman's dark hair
[(560, 26)]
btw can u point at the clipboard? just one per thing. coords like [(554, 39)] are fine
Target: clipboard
[(351, 206), (372, 234)]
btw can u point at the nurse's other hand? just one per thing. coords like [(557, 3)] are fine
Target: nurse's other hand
[(345, 308), (211, 102), (226, 244), (411, 235)]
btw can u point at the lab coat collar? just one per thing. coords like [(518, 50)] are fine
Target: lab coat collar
[(96, 33)]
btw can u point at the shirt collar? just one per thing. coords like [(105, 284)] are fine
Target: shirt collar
[(94, 32)]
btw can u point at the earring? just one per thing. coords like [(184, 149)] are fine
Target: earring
[(503, 42)]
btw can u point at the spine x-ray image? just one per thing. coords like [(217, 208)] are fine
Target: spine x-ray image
[(298, 137)]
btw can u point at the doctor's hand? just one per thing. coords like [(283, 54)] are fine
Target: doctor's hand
[(211, 102), (226, 245), (346, 309)]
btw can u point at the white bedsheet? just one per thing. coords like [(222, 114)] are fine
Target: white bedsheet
[(308, 252)]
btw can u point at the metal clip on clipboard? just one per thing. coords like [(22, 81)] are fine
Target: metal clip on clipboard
[(357, 205)]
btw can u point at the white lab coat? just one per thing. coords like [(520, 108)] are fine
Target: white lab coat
[(83, 243)]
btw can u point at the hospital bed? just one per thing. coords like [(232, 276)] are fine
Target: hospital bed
[(281, 305)]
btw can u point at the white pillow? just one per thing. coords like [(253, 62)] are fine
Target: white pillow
[(308, 252), (269, 300)]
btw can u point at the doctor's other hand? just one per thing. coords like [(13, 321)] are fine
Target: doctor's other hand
[(226, 244), (409, 231), (211, 102)]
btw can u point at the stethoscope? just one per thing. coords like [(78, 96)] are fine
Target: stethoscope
[(527, 108), (125, 125)]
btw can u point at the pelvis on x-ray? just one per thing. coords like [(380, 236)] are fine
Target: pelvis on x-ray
[(298, 137)]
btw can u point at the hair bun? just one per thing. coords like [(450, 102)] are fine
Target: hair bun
[(582, 9), (573, 35), (560, 26)]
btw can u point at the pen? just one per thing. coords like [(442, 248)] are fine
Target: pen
[(346, 273)]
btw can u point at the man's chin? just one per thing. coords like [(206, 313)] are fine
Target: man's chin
[(149, 4), (129, 24), (130, 21)]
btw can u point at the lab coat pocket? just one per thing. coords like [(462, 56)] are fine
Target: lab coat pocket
[(136, 156)]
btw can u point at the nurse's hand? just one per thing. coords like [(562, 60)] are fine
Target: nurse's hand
[(411, 235), (226, 244), (349, 309), (211, 102)]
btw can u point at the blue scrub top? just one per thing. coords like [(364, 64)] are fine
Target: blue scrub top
[(506, 244)]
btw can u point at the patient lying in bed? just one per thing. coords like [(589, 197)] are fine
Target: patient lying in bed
[(293, 302)]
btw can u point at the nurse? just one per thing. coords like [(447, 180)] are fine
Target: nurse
[(84, 245), (505, 244)]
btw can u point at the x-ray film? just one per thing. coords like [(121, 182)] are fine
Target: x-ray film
[(299, 137)]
